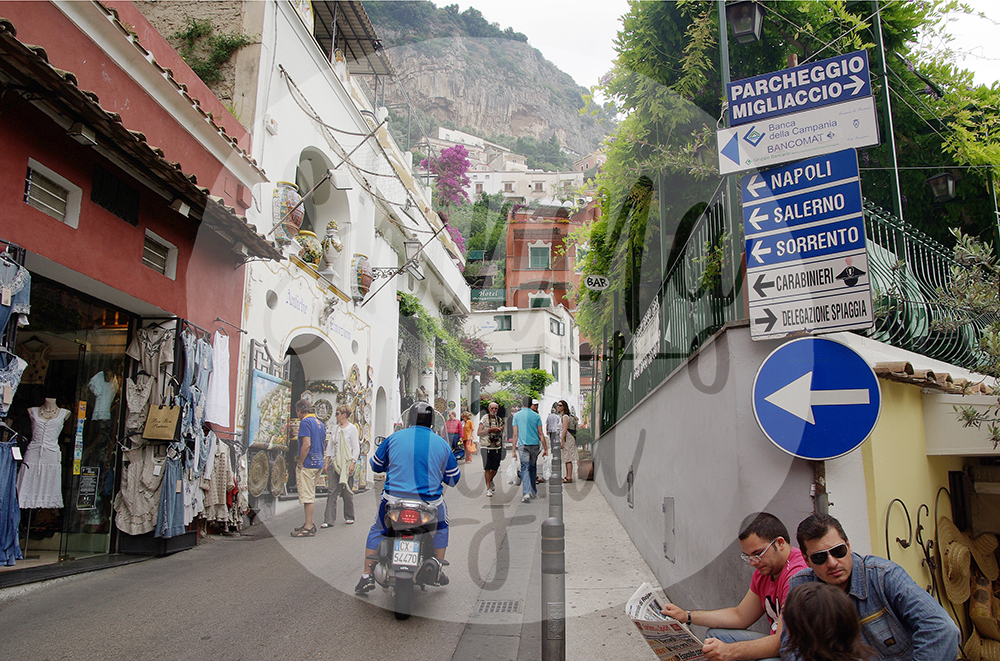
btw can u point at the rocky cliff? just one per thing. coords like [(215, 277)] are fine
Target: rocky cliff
[(493, 86)]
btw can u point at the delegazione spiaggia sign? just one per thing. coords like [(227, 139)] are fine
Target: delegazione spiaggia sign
[(770, 142)]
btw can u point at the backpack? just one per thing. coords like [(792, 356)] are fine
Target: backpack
[(571, 427)]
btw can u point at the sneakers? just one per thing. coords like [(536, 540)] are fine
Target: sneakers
[(489, 492), (526, 498), (366, 584), (349, 521), (442, 578)]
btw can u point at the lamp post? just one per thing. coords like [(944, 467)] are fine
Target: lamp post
[(942, 186)]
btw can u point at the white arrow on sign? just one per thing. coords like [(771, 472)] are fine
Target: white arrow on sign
[(757, 217), (754, 185), (798, 398), (855, 85), (758, 251)]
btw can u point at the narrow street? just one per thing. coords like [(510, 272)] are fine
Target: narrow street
[(267, 595)]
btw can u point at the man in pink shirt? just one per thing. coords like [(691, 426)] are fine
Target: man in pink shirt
[(764, 540)]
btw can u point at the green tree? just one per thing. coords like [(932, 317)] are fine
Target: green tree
[(522, 383)]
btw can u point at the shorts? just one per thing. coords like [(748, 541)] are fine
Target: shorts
[(491, 459), (378, 530), (305, 480)]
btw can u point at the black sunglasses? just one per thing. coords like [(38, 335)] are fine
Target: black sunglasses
[(819, 557)]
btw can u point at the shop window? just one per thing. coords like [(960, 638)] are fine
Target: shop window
[(160, 255), (555, 370), (111, 193), (538, 258), (52, 194), (503, 322), (530, 361)]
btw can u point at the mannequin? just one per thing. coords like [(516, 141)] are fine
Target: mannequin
[(39, 484)]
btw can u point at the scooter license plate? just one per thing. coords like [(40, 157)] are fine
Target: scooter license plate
[(405, 552)]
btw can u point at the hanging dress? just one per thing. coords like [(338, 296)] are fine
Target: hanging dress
[(39, 483)]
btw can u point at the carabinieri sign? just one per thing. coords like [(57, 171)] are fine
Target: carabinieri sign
[(822, 83), (807, 262)]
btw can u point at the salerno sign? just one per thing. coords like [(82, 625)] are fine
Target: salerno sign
[(822, 83)]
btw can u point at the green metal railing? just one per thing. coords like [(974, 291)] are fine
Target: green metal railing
[(907, 270)]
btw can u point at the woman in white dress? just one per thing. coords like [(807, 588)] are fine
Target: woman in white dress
[(39, 483), (569, 451)]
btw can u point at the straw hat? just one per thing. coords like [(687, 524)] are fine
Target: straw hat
[(978, 649), (983, 608), (257, 477), (956, 561), (983, 550), (279, 475)]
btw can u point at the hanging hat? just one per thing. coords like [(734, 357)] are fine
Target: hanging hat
[(956, 561), (979, 649), (258, 474), (982, 608), (984, 551), (279, 475)]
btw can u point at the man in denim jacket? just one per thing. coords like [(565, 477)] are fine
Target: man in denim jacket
[(899, 620)]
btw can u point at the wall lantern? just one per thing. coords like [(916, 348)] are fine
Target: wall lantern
[(746, 18), (942, 186), (411, 249)]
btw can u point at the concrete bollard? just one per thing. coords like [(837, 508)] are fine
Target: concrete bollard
[(553, 590)]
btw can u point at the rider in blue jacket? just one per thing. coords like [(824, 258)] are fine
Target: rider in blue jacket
[(417, 464)]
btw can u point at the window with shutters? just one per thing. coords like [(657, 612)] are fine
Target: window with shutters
[(52, 194), (159, 255)]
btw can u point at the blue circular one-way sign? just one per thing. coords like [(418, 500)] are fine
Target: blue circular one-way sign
[(816, 398)]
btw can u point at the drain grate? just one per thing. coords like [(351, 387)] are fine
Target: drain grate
[(502, 606)]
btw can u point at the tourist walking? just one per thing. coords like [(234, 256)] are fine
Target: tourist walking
[(340, 461)]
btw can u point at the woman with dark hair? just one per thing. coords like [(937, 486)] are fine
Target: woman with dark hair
[(822, 625), (568, 438)]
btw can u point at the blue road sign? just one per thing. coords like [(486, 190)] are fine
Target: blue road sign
[(816, 398), (806, 247), (822, 83)]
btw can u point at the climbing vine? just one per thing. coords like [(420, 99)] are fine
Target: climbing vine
[(220, 48)]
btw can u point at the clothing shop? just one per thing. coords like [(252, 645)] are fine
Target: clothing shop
[(103, 407), (121, 288)]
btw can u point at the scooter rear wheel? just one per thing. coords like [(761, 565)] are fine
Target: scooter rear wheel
[(403, 599)]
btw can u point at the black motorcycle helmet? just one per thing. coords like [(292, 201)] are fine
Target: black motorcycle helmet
[(421, 414)]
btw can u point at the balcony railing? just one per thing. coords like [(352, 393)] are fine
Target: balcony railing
[(907, 270)]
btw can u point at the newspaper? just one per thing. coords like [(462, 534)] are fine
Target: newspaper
[(669, 639)]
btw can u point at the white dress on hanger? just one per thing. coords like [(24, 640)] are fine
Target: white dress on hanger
[(39, 483), (217, 398)]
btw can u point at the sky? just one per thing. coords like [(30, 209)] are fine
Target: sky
[(577, 35)]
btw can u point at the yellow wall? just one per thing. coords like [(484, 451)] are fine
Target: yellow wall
[(897, 466)]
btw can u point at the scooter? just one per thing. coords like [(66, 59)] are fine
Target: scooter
[(405, 558)]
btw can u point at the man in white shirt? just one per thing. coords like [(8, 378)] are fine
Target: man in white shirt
[(342, 454)]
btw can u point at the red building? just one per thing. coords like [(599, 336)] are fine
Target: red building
[(121, 182), (541, 268)]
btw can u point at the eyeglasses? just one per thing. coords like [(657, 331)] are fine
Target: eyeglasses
[(757, 556), (819, 557)]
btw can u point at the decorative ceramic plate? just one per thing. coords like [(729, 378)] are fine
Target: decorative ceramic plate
[(308, 396), (258, 473), (355, 376), (366, 432), (323, 409), (368, 395), (368, 413), (371, 375), (365, 447), (279, 476)]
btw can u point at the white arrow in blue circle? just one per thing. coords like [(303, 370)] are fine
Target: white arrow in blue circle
[(798, 397)]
